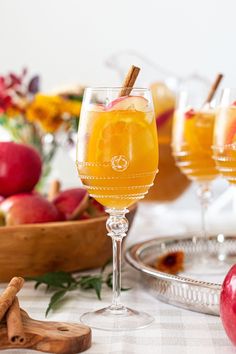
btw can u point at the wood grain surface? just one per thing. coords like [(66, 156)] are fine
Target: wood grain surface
[(49, 337), (29, 250)]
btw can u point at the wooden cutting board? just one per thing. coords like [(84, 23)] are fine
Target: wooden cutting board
[(49, 337)]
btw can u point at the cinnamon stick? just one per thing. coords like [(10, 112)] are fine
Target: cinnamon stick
[(15, 328), (54, 189), (213, 88), (129, 81), (8, 295)]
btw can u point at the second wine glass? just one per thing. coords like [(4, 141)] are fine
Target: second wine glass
[(191, 142)]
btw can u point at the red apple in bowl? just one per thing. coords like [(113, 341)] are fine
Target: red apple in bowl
[(29, 208), (93, 210), (71, 202), (228, 304), (20, 168)]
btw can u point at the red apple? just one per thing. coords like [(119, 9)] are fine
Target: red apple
[(228, 304), (84, 216), (71, 202), (6, 204), (95, 208), (20, 168), (190, 113), (29, 209), (137, 103), (164, 117)]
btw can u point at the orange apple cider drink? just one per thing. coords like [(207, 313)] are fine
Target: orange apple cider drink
[(120, 160), (192, 143), (225, 142)]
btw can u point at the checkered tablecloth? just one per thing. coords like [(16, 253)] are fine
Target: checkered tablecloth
[(174, 331)]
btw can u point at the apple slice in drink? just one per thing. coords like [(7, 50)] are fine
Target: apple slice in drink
[(99, 107), (231, 128), (137, 103), (190, 113), (134, 103)]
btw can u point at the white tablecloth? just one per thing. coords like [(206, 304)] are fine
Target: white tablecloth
[(174, 331)]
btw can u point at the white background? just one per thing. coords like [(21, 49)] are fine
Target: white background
[(68, 41)]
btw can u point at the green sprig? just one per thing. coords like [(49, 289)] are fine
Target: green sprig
[(61, 283)]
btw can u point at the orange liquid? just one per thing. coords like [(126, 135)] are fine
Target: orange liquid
[(225, 138), (120, 158), (170, 182), (192, 145)]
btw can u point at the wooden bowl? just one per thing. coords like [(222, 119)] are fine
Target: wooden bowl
[(28, 250)]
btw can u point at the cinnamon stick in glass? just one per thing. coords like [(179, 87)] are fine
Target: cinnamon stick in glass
[(8, 295), (15, 328), (129, 81), (213, 88)]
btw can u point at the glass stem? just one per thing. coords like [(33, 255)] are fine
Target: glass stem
[(116, 242), (204, 194), (117, 226)]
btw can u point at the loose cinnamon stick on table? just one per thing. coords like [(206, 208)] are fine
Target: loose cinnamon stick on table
[(129, 81), (8, 295), (213, 88), (15, 329)]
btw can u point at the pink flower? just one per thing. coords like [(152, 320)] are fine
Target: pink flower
[(5, 102)]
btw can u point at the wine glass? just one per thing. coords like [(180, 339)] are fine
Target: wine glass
[(117, 160), (191, 142), (224, 141)]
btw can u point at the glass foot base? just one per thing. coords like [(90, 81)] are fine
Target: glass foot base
[(113, 319)]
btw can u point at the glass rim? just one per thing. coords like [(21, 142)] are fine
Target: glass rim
[(115, 88), (228, 90)]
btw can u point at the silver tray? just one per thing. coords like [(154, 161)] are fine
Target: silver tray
[(181, 290)]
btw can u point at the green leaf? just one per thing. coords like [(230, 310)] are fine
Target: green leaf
[(62, 282), (74, 97), (97, 285), (109, 281), (56, 297), (37, 285), (91, 282), (54, 279)]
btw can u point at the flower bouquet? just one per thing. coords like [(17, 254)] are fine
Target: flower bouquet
[(31, 117)]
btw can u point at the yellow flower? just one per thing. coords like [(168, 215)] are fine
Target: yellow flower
[(71, 107), (46, 111), (51, 111), (13, 111)]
